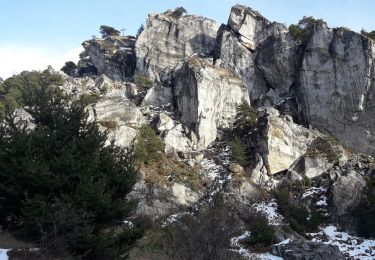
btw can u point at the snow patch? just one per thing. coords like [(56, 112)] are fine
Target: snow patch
[(3, 254), (350, 246), (270, 211), (312, 191)]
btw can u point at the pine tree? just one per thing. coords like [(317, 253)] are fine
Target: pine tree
[(60, 184), (245, 119)]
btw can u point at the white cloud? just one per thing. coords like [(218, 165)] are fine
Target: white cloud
[(16, 58)]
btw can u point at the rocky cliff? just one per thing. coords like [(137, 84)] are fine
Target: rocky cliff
[(186, 76)]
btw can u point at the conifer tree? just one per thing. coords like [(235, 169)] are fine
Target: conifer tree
[(60, 184)]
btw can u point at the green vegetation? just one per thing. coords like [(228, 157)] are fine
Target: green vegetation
[(14, 89), (140, 30), (305, 26), (245, 119), (87, 99), (239, 153), (300, 219), (143, 82), (61, 187), (370, 35), (110, 124), (262, 233), (364, 213), (149, 147), (107, 31), (69, 68), (326, 146), (178, 12)]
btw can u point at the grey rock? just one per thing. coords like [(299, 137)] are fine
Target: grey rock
[(281, 142), (167, 40), (337, 86), (346, 194), (113, 56), (301, 250), (207, 97), (261, 52)]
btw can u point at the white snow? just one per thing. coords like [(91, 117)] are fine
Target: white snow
[(270, 211), (3, 254), (216, 171), (312, 191), (322, 201), (236, 245), (355, 247)]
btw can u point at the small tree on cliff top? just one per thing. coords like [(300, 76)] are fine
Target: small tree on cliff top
[(107, 31)]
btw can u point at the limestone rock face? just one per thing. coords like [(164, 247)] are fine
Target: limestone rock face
[(337, 86), (261, 52), (167, 39), (281, 142), (113, 56), (207, 97)]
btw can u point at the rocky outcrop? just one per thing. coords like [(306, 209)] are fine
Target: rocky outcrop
[(337, 86), (113, 56), (261, 52), (300, 249), (167, 39), (281, 142), (207, 97)]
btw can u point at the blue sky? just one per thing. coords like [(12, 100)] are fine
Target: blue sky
[(36, 33)]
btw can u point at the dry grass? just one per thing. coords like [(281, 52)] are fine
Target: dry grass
[(159, 171)]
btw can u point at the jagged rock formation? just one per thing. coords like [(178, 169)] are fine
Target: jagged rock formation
[(261, 52), (207, 97), (331, 75), (113, 56), (307, 93), (168, 39)]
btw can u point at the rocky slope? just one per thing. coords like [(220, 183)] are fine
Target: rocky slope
[(315, 114)]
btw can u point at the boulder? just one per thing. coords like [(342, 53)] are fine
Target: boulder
[(346, 194), (183, 194), (281, 142), (302, 249)]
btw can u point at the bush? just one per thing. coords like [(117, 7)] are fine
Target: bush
[(107, 31), (12, 89), (305, 26), (239, 153), (245, 119), (326, 146), (262, 233), (143, 82), (299, 218), (206, 235), (148, 147), (61, 187), (70, 68), (87, 99), (178, 12), (370, 35), (140, 30)]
